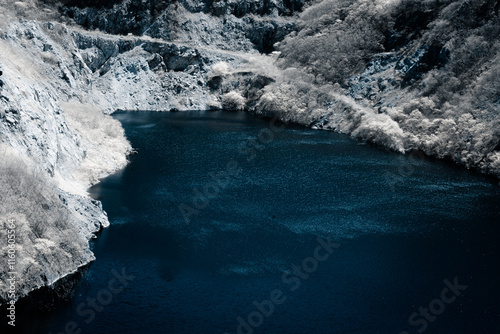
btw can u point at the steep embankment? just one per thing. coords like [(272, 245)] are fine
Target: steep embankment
[(405, 74), (50, 154)]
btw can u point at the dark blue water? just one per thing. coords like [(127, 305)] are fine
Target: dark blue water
[(402, 224)]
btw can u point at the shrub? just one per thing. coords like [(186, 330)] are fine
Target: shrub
[(221, 68), (233, 101)]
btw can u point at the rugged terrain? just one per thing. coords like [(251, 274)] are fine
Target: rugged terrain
[(407, 75), (61, 74)]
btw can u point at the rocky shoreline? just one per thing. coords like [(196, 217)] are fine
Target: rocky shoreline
[(58, 83)]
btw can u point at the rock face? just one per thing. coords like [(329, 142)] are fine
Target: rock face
[(225, 24), (52, 215)]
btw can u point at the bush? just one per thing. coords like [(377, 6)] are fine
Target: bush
[(221, 68), (233, 101)]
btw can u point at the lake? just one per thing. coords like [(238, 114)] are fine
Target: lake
[(227, 223)]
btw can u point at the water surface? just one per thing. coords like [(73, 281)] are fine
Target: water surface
[(404, 224)]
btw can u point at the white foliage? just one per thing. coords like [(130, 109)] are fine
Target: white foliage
[(104, 137), (451, 110), (47, 242), (233, 101), (221, 68)]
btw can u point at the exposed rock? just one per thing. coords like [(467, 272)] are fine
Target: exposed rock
[(225, 24), (425, 59)]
